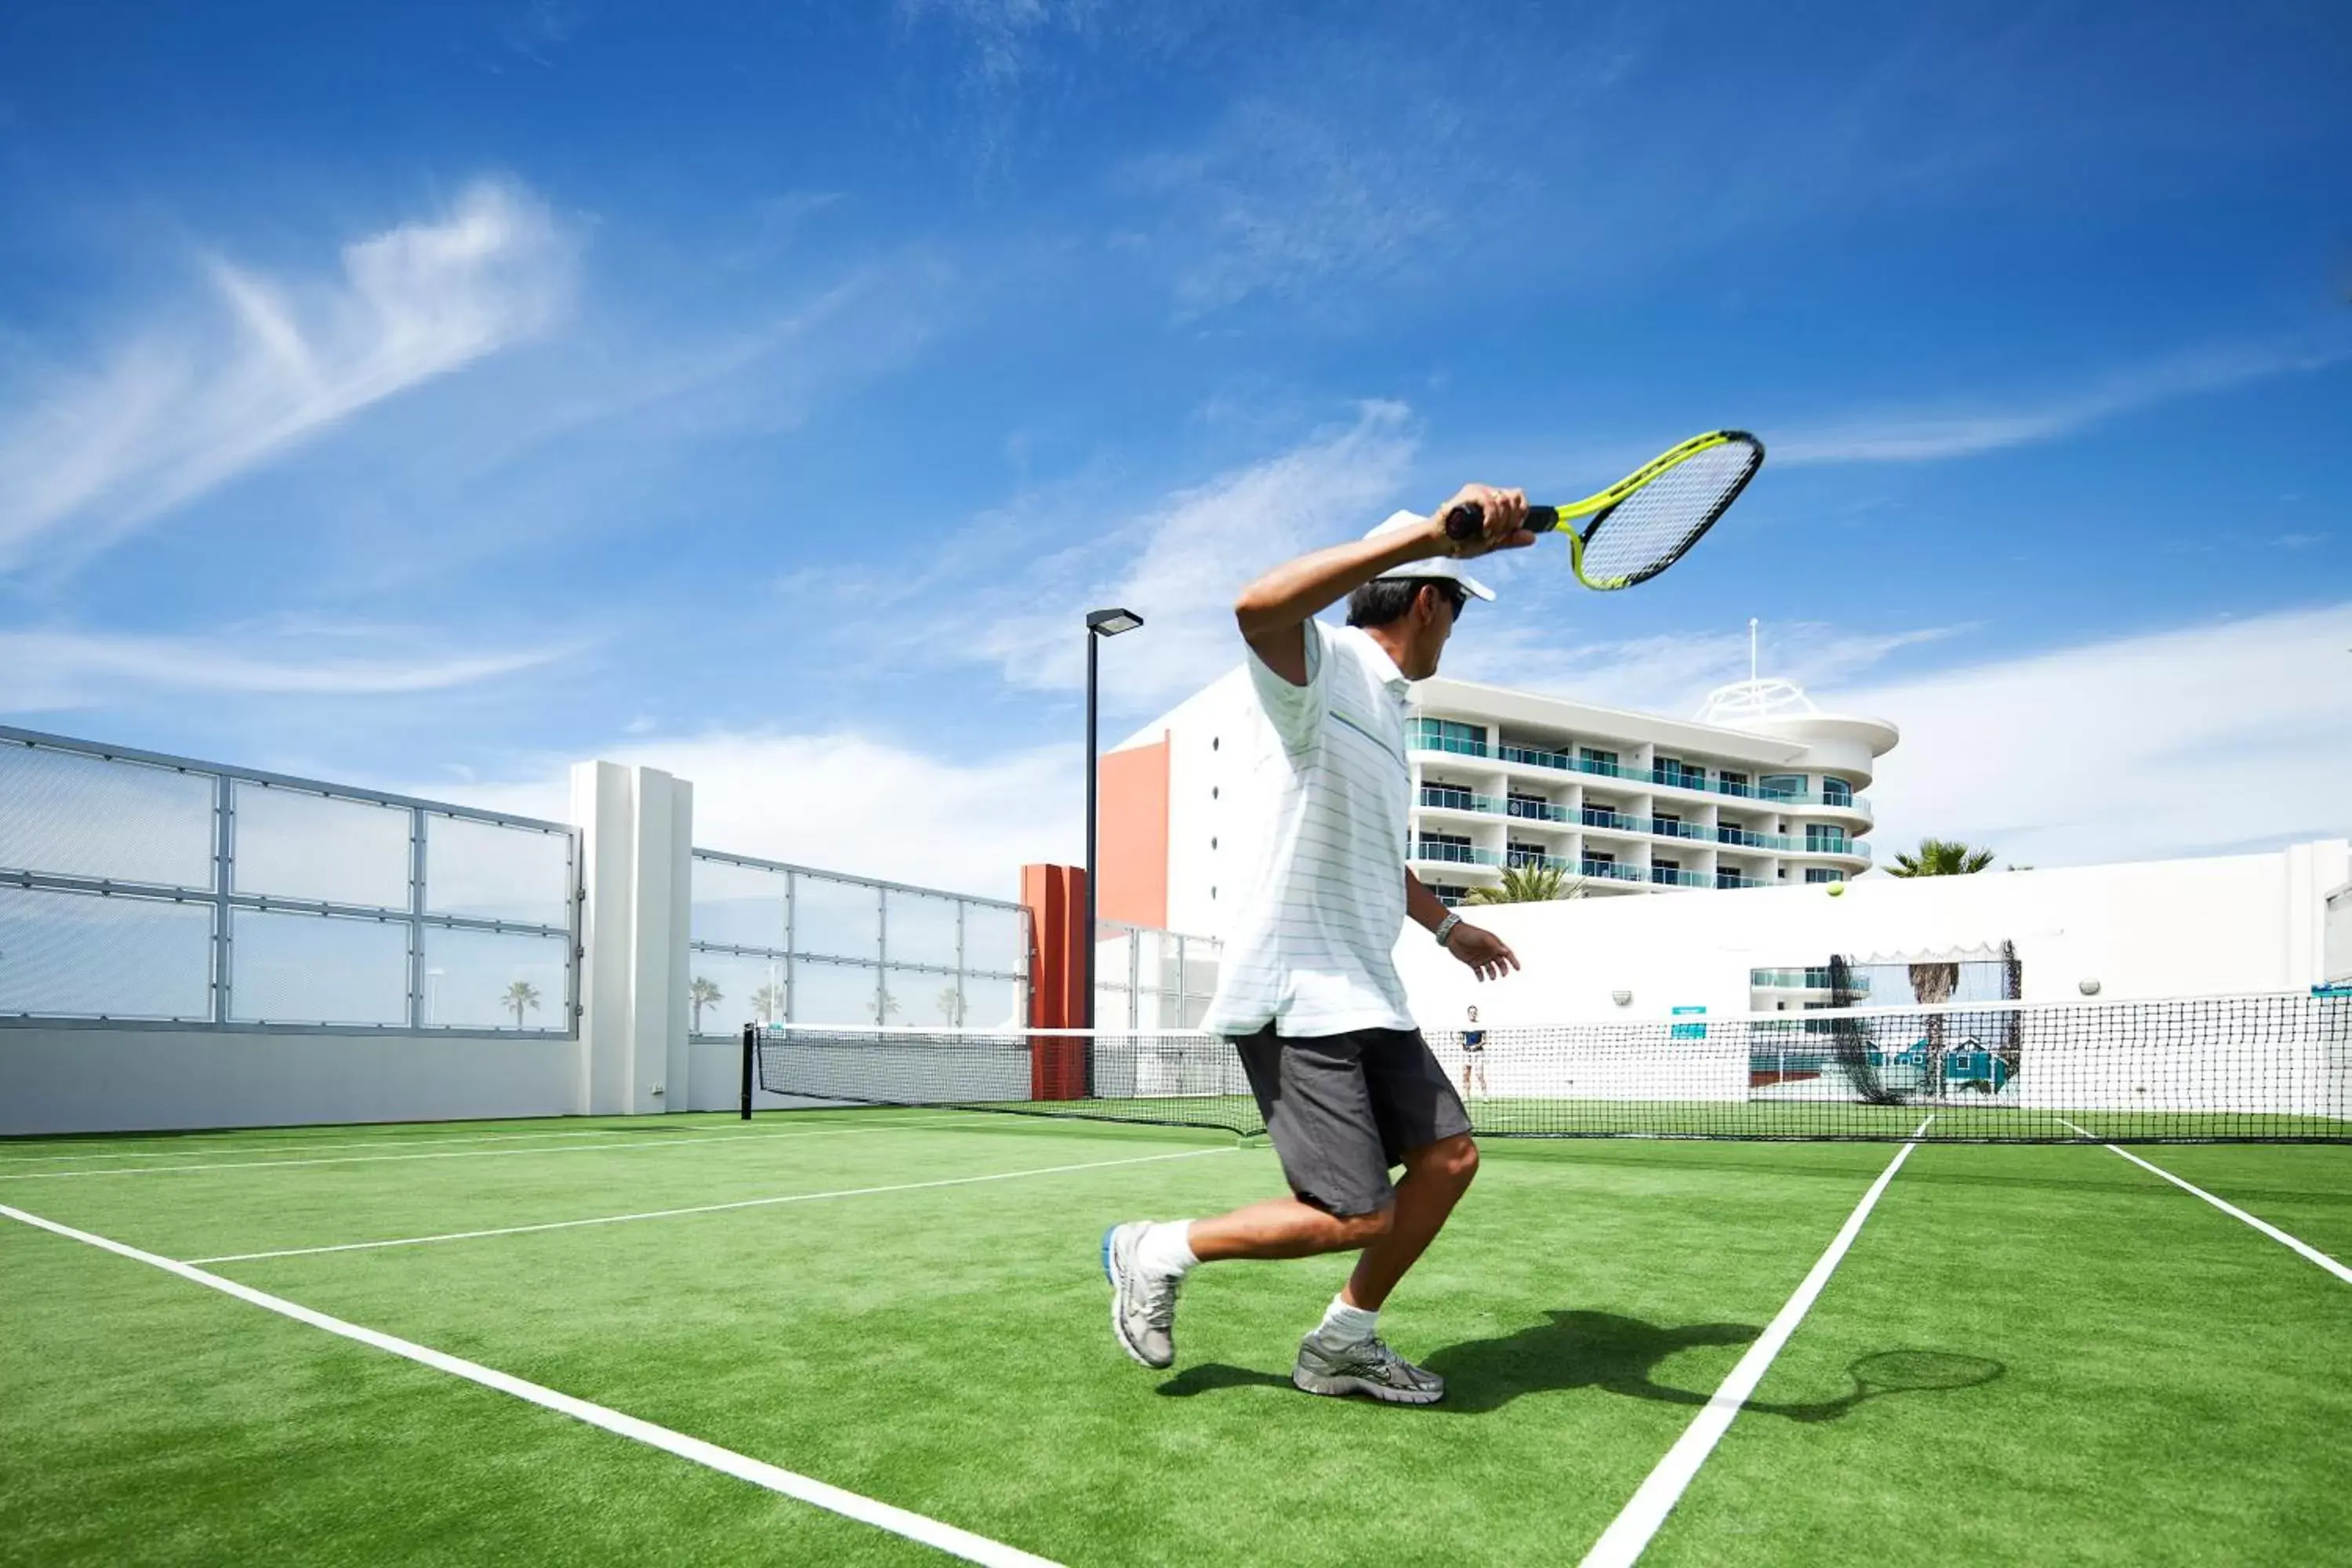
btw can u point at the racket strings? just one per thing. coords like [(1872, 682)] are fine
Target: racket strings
[(1649, 529)]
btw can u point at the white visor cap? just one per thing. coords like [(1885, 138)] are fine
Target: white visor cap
[(1439, 566)]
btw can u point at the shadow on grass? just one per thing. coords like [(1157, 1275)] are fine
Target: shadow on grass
[(1620, 1355)]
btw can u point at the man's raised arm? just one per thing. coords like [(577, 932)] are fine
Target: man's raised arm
[(1274, 610)]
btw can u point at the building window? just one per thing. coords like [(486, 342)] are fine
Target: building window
[(1730, 782), (1449, 895), (1821, 874), (1820, 839), (1837, 792), (1527, 854), (1675, 772), (1782, 786), (1532, 805), (1447, 735), (1592, 761), (1452, 797)]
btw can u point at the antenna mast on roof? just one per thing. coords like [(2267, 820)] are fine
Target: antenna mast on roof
[(1754, 698)]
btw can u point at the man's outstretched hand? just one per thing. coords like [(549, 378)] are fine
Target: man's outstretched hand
[(1489, 955)]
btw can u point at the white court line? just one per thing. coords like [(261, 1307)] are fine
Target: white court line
[(1629, 1533), (663, 1142), (2232, 1210), (946, 1538), (701, 1208), (388, 1142)]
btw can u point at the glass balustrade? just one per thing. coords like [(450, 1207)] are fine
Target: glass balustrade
[(1459, 800), (1458, 853)]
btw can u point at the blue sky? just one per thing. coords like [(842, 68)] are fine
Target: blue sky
[(434, 397)]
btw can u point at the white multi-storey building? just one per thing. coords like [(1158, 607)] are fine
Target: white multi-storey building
[(1765, 790)]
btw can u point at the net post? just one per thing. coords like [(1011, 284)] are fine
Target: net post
[(751, 1045)]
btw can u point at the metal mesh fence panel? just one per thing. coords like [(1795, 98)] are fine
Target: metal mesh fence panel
[(80, 954)]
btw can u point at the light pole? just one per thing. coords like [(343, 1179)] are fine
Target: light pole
[(1100, 624)]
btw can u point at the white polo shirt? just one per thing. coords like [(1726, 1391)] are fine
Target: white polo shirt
[(1311, 952)]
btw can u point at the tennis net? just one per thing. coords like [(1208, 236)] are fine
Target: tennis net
[(2262, 1069)]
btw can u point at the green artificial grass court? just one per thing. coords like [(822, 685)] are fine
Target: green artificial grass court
[(2030, 1354)]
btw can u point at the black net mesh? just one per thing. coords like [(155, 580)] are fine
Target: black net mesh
[(2227, 1068)]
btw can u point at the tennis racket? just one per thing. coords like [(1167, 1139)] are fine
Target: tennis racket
[(1647, 521)]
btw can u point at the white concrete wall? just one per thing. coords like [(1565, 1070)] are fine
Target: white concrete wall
[(2338, 939), (638, 828), (98, 1080), (2206, 927), (1219, 789)]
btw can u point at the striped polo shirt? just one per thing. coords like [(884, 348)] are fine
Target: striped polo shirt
[(1311, 952)]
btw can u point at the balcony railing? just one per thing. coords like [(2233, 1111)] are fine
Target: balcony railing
[(1733, 880), (1667, 876), (1695, 781), (1458, 800), (1538, 810), (1535, 858), (1563, 762), (1458, 853), (1610, 870)]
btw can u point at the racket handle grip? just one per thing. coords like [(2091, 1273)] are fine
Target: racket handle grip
[(1464, 520)]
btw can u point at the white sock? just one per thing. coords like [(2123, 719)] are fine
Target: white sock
[(1346, 1325), (1167, 1248)]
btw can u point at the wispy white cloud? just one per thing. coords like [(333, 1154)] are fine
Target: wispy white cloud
[(1917, 436), (1180, 564), (1279, 200), (845, 802), (2231, 734), (54, 670), (179, 406), (1671, 674)]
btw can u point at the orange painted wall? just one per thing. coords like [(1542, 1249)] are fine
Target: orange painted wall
[(1131, 846), (1056, 897)]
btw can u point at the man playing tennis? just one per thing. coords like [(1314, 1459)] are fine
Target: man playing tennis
[(1310, 994)]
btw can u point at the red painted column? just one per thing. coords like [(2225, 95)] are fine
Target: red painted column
[(1057, 898)]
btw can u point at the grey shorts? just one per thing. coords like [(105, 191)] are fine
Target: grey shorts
[(1343, 1110)]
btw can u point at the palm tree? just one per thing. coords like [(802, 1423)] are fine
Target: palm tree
[(702, 994), (768, 1001), (1531, 882), (1941, 858), (521, 994), (950, 1001)]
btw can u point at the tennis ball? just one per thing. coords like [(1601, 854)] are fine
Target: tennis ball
[(1837, 889)]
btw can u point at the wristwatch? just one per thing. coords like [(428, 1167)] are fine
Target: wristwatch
[(1445, 927)]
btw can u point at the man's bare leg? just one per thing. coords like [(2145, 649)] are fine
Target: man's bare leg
[(1286, 1227), (1435, 1177)]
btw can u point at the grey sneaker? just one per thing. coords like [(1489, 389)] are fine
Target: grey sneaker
[(1142, 1306), (1367, 1367)]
